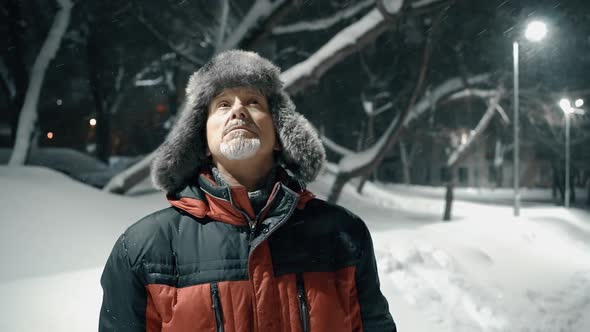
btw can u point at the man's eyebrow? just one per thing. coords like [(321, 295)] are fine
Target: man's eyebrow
[(254, 93), (221, 95)]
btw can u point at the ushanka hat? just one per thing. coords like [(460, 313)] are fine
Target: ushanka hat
[(183, 153)]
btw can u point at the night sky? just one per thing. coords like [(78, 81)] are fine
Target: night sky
[(108, 42)]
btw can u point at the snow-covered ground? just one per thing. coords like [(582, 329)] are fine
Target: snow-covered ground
[(484, 271)]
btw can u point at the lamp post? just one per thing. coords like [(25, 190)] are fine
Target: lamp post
[(568, 110), (535, 31)]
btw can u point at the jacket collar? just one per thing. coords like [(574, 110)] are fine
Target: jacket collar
[(231, 204)]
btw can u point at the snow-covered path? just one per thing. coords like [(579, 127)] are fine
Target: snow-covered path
[(485, 271)]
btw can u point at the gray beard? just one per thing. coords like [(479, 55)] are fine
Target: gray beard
[(239, 147)]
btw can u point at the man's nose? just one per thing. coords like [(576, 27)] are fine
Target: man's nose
[(238, 110)]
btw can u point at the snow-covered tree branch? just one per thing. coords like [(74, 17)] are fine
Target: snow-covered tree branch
[(347, 41), (163, 39), (463, 149), (474, 135), (28, 115), (323, 23), (359, 163), (131, 176), (335, 147), (222, 24), (344, 43), (260, 11)]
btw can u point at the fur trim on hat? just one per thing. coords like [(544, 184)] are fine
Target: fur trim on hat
[(183, 153)]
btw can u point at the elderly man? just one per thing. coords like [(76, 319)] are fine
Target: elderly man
[(244, 246)]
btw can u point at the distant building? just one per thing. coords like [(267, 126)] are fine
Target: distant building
[(478, 169)]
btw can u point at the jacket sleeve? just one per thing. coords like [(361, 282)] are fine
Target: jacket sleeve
[(374, 308), (124, 295)]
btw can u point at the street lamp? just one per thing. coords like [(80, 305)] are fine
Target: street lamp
[(535, 31), (566, 107)]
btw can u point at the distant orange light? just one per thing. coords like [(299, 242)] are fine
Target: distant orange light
[(161, 108), (50, 135)]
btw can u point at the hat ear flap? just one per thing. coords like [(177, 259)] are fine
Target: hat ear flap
[(175, 159), (302, 150)]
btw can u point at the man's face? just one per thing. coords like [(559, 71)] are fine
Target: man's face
[(240, 125)]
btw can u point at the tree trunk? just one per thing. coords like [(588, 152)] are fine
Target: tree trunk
[(361, 185), (558, 185), (28, 115), (498, 162), (14, 59), (463, 149), (572, 188), (125, 180), (103, 118), (336, 188), (449, 193), (405, 162)]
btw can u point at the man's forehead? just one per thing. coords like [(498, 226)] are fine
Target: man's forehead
[(239, 90)]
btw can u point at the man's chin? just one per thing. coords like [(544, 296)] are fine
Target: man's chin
[(239, 155), (240, 149)]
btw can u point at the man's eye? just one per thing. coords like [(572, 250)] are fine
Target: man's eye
[(223, 104), (253, 102)]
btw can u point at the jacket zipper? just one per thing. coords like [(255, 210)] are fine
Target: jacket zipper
[(217, 306), (252, 225), (303, 310)]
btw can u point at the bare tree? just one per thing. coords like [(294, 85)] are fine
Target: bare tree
[(138, 172), (14, 72), (257, 23), (462, 150), (345, 42), (362, 163), (325, 22), (28, 115), (406, 160)]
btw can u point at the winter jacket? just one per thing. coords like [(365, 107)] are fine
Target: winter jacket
[(209, 264)]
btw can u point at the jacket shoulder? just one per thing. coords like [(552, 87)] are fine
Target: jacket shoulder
[(152, 233), (157, 222), (333, 216), (321, 207)]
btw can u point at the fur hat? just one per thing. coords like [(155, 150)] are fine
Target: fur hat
[(183, 153)]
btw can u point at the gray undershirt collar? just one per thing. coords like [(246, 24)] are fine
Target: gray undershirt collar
[(259, 197)]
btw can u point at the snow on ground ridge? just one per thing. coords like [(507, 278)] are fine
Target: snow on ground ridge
[(485, 271)]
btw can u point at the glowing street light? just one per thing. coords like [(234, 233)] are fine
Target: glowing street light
[(566, 107), (50, 135), (535, 31), (93, 122)]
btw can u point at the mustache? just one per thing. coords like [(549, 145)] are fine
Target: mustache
[(232, 124)]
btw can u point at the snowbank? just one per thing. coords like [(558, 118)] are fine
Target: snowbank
[(485, 271), (51, 223)]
